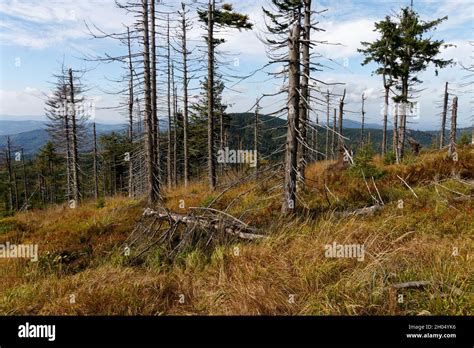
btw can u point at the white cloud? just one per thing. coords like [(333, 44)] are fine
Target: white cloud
[(348, 34), (29, 101), (39, 24)]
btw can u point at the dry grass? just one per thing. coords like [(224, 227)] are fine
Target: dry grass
[(79, 256)]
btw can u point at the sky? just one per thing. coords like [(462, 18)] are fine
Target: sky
[(37, 37)]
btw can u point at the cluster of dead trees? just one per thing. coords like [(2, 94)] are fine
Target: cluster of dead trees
[(165, 127)]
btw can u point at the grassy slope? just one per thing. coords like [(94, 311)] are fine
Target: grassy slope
[(80, 256)]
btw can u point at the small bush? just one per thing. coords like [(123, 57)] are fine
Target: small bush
[(389, 158), (100, 203), (465, 139), (363, 164)]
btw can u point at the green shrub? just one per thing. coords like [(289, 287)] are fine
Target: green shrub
[(100, 203), (389, 158), (465, 139), (363, 164)]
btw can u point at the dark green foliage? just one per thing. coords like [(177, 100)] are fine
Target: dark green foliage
[(363, 164), (465, 139), (389, 158)]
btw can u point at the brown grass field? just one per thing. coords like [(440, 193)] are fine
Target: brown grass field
[(429, 239)]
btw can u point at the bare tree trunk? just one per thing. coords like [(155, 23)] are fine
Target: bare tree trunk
[(185, 101), (289, 200), (96, 179), (363, 121), (168, 159), (333, 140), (255, 138), (395, 133), (153, 90), (316, 140), (443, 116), (76, 188), (152, 187), (452, 135), (304, 104), (385, 118), (130, 115), (10, 173), (210, 96), (175, 131), (221, 138), (341, 115), (67, 136), (327, 125), (25, 179), (15, 188), (403, 121)]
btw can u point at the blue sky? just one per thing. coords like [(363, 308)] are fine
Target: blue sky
[(36, 37)]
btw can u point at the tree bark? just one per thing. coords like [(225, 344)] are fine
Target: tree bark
[(95, 168), (395, 133), (255, 138), (185, 101), (385, 119), (363, 121), (210, 96), (130, 115), (289, 200), (452, 135), (152, 187), (341, 116), (168, 159), (327, 125), (76, 188), (154, 115), (443, 116), (304, 104)]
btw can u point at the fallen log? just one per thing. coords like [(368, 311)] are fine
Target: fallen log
[(367, 211), (416, 284), (206, 223)]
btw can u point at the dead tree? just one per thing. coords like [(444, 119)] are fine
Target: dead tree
[(395, 133), (255, 137), (175, 129), (130, 114), (289, 201), (210, 99), (184, 51), (25, 180), (327, 125), (12, 186), (153, 89), (452, 135), (152, 182), (341, 116), (443, 116), (95, 166), (333, 140), (363, 120), (304, 104), (76, 185)]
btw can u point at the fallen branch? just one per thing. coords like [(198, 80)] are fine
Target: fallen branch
[(367, 211), (410, 285), (209, 224), (408, 186)]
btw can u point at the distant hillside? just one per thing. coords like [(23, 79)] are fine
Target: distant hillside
[(15, 127), (31, 141), (273, 132), (32, 135)]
